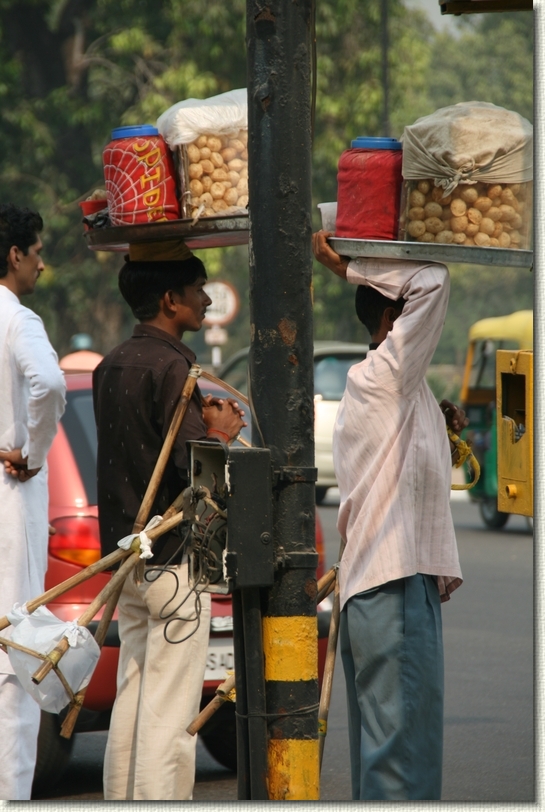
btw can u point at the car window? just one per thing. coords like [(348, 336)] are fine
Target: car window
[(78, 422), (330, 374)]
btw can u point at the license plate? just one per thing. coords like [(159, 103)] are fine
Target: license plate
[(220, 658)]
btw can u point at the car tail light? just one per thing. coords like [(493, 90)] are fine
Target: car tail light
[(76, 540), (320, 569)]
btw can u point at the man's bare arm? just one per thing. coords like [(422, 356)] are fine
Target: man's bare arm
[(325, 254)]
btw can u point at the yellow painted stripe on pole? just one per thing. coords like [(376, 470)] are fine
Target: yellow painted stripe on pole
[(290, 645), (294, 773)]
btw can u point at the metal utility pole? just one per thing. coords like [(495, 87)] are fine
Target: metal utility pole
[(281, 374)]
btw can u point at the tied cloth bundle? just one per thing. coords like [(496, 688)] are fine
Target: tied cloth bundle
[(166, 251)]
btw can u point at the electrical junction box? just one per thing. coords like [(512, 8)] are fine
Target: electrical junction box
[(515, 424), (235, 550)]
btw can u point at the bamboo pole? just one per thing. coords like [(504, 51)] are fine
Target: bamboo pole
[(69, 721), (117, 579), (60, 649), (223, 692), (327, 683), (93, 569)]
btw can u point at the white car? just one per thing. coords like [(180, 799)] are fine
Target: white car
[(332, 360)]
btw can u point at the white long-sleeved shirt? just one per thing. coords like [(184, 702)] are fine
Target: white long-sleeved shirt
[(390, 446), (32, 390)]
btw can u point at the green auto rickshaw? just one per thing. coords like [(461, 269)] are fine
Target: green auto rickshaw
[(478, 398)]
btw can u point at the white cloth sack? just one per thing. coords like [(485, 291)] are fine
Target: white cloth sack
[(41, 631), (225, 114), (466, 143)]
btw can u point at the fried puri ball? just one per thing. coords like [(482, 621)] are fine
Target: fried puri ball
[(217, 190), (458, 207), (231, 196), (195, 171), (483, 204), (196, 187), (427, 236), (193, 153), (469, 195), (433, 209), (487, 227), (416, 198), (434, 225), (444, 236), (458, 224), (494, 190), (416, 227), (482, 239), (214, 143), (416, 213), (474, 215)]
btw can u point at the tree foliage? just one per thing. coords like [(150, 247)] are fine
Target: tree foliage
[(71, 70)]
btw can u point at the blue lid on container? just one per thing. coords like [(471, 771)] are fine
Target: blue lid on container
[(363, 142), (134, 131)]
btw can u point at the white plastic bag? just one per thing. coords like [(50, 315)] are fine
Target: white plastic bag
[(41, 631), (225, 114), (469, 142)]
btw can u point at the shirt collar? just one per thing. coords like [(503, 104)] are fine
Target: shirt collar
[(9, 294), (147, 330)]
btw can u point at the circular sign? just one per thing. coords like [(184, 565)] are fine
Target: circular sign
[(225, 303)]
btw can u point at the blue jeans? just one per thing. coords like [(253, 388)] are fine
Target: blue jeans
[(392, 653)]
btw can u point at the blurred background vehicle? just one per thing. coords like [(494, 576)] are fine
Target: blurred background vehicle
[(478, 398), (332, 360), (75, 544)]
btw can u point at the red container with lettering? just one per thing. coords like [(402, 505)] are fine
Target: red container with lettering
[(140, 177), (369, 189)]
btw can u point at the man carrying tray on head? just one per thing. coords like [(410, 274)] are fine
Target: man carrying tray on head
[(393, 465), (149, 755)]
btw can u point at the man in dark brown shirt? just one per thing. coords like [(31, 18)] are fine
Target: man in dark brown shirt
[(136, 388)]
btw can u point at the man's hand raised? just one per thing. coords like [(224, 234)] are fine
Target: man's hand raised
[(325, 254), (455, 417), (223, 417)]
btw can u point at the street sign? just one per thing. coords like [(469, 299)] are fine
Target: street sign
[(225, 303)]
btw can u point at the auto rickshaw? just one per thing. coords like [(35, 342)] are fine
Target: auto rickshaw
[(478, 397)]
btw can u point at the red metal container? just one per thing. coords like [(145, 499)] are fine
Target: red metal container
[(140, 177), (369, 189)]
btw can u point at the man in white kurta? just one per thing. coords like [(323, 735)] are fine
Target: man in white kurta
[(393, 465), (32, 401)]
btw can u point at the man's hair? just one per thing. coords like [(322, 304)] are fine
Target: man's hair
[(370, 305), (142, 284), (18, 227)]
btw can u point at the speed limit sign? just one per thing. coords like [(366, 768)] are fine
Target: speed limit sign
[(225, 303)]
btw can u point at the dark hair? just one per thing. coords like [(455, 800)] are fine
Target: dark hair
[(142, 284), (18, 227), (370, 305)]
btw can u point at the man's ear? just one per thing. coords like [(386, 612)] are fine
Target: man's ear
[(390, 315), (13, 256), (168, 301)]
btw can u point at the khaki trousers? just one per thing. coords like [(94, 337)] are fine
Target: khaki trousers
[(149, 756)]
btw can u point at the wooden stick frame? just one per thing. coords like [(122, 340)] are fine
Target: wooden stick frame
[(110, 593)]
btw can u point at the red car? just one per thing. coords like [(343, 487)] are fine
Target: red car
[(76, 544)]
